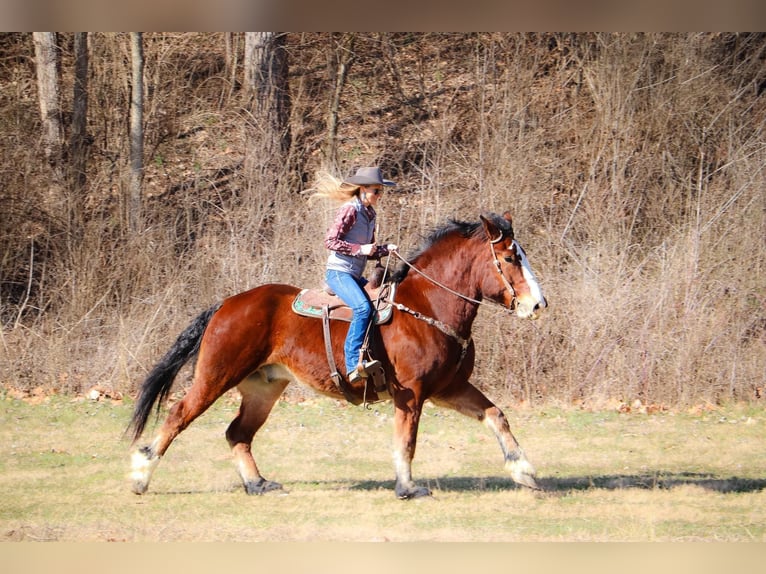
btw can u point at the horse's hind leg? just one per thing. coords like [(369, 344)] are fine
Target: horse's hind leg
[(470, 401), (144, 460), (259, 393)]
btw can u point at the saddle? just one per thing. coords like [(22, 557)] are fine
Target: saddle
[(315, 302), (325, 305)]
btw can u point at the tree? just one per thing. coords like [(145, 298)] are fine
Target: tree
[(339, 62), (232, 41), (266, 87), (78, 138), (136, 131), (47, 60)]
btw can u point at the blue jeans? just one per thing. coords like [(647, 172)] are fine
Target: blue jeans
[(350, 290)]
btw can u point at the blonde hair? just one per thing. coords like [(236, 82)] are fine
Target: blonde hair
[(327, 186)]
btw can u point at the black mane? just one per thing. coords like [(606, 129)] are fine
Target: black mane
[(464, 228)]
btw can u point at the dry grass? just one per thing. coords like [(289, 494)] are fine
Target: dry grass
[(633, 165)]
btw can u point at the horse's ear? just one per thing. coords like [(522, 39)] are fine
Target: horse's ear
[(493, 232), (507, 217)]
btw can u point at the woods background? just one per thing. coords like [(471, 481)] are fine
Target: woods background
[(633, 165)]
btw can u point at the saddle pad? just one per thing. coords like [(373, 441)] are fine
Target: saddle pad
[(310, 302)]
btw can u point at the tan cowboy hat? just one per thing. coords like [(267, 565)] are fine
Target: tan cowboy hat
[(369, 176)]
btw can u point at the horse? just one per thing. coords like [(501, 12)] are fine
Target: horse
[(255, 342)]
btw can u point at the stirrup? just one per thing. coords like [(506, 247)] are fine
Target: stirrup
[(364, 369), (356, 375)]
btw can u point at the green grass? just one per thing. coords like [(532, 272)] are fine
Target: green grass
[(606, 477)]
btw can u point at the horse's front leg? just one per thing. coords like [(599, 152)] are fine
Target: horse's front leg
[(470, 401), (408, 409)]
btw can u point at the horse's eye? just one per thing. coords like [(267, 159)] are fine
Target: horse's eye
[(508, 258)]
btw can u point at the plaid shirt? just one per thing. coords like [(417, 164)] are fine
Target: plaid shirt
[(345, 218)]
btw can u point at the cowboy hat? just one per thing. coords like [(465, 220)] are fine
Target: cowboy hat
[(368, 176)]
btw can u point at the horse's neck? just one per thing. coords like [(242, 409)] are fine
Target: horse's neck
[(439, 290)]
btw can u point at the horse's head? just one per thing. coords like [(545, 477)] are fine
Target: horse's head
[(515, 285)]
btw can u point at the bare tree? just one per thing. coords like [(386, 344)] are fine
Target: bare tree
[(136, 131), (47, 60), (266, 86), (232, 41), (78, 138), (340, 58)]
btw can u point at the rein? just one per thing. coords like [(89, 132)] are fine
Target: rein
[(435, 282)]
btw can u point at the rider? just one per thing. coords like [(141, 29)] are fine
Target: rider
[(351, 241)]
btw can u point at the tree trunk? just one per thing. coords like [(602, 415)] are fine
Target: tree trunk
[(78, 141), (136, 132), (232, 60), (266, 86), (46, 56), (340, 60)]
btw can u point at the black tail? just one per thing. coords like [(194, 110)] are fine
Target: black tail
[(157, 384)]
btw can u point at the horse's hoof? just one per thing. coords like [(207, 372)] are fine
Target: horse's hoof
[(528, 482), (139, 487), (414, 492), (143, 464), (522, 472), (261, 487)]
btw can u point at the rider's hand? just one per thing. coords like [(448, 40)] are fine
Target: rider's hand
[(392, 247), (367, 249)]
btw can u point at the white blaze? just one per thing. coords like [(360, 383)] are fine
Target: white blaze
[(535, 292)]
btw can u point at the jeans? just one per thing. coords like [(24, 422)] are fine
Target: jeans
[(350, 290)]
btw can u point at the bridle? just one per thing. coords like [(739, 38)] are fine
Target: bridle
[(505, 281)]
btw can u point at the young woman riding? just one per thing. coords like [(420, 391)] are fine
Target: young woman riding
[(351, 241)]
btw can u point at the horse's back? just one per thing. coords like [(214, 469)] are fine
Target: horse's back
[(245, 323), (258, 301), (267, 291)]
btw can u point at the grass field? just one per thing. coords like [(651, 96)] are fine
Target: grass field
[(607, 476)]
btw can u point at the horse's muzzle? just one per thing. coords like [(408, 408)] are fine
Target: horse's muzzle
[(530, 308)]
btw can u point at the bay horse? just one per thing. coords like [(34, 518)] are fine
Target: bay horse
[(255, 342)]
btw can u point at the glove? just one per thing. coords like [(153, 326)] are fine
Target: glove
[(392, 247), (367, 249)]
